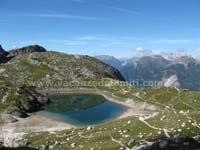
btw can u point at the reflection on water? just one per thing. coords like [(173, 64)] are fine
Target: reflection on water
[(82, 109)]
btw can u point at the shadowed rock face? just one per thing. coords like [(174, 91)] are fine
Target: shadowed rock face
[(3, 53), (178, 143), (33, 103), (27, 49), (6, 56), (20, 148)]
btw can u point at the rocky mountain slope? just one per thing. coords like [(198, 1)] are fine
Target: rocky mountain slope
[(2, 52), (18, 101), (33, 63), (34, 66), (3, 55), (110, 60), (118, 63), (27, 49), (154, 69)]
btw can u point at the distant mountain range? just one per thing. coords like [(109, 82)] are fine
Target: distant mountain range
[(118, 63), (156, 71)]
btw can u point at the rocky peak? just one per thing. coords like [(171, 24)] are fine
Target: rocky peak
[(1, 49), (154, 58), (185, 60), (154, 62), (3, 55), (2, 52), (110, 60), (27, 49)]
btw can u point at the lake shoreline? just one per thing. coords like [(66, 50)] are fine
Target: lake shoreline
[(138, 109), (12, 132)]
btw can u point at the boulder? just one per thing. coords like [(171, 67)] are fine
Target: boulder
[(45, 147), (7, 118), (12, 110), (131, 142), (42, 99), (20, 114), (178, 143), (27, 49), (90, 128), (17, 148), (73, 145), (3, 53)]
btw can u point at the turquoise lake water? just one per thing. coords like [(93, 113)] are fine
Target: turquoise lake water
[(82, 109)]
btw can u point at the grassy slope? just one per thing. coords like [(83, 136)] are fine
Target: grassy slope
[(179, 114), (47, 67), (10, 95), (56, 66)]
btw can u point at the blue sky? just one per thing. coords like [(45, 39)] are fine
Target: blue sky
[(120, 28)]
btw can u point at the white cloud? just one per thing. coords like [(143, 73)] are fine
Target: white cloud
[(197, 55), (88, 38), (69, 42), (145, 52), (97, 38), (58, 16), (140, 49), (177, 53), (14, 47), (119, 9), (198, 51), (168, 55), (171, 41)]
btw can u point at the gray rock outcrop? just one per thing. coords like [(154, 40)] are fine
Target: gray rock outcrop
[(7, 118), (172, 81), (3, 55), (27, 49)]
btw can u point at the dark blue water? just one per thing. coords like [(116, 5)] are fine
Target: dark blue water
[(100, 113)]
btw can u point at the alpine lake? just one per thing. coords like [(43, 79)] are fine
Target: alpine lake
[(82, 109)]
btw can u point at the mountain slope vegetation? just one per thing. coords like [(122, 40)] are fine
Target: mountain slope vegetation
[(31, 65)]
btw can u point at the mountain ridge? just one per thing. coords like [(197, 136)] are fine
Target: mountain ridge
[(156, 68), (26, 49)]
